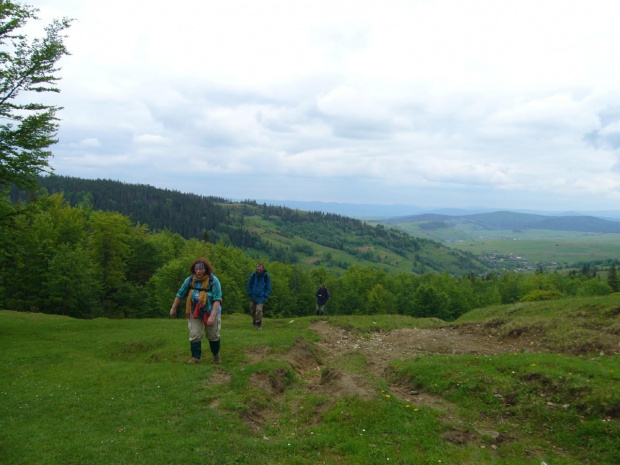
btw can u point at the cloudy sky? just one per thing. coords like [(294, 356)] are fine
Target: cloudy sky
[(509, 104)]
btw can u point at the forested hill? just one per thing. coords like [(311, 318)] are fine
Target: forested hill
[(272, 232), (186, 214)]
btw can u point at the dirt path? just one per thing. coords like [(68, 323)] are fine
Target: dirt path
[(380, 348), (351, 363)]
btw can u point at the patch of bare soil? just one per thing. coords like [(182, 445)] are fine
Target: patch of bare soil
[(380, 348), (319, 365), (219, 377)]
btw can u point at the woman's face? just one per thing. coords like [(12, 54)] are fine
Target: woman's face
[(199, 272)]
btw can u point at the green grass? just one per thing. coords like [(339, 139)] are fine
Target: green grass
[(119, 391), (577, 326), (372, 323), (559, 407)]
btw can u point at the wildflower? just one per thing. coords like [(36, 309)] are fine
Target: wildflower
[(387, 396), (416, 409), (407, 406)]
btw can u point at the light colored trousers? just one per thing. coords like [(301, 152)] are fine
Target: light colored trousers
[(256, 310), (195, 325)]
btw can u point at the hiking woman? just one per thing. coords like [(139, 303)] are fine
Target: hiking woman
[(203, 307)]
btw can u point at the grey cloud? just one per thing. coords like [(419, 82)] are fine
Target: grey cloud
[(110, 141), (609, 116), (361, 129), (608, 135), (275, 125), (357, 127)]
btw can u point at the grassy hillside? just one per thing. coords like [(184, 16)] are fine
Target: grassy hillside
[(281, 234), (337, 246), (517, 384)]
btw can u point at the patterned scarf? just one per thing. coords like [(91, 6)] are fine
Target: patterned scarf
[(202, 293)]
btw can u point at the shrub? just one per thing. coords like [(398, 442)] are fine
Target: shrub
[(541, 295)]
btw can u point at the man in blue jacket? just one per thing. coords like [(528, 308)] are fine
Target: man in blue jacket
[(259, 288)]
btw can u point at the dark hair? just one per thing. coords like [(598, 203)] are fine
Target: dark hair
[(208, 267)]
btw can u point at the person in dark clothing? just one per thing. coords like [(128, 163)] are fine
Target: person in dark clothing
[(322, 296), (259, 288)]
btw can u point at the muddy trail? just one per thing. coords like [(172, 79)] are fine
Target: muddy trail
[(326, 366), (378, 349)]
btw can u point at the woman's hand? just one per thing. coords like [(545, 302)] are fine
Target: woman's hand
[(173, 309), (211, 319)]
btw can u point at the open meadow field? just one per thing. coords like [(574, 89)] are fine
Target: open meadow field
[(518, 384), (565, 248), (540, 246)]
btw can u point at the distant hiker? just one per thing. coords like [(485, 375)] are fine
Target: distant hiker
[(322, 296), (259, 288), (203, 307)]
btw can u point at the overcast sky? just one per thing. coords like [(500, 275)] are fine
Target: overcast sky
[(436, 103)]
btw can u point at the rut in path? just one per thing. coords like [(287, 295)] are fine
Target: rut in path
[(325, 366), (379, 348)]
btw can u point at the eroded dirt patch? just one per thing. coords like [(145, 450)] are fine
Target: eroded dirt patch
[(381, 347), (338, 383), (322, 366), (218, 377), (304, 357), (255, 420), (256, 354)]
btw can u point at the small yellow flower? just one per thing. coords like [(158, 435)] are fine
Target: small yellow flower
[(408, 406), (387, 396), (416, 409)]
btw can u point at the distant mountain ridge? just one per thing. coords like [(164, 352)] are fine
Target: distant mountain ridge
[(506, 220), (383, 212)]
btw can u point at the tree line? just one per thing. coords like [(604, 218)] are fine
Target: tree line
[(87, 263), (216, 219)]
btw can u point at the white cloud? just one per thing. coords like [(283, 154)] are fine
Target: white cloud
[(435, 101), (154, 139), (91, 142)]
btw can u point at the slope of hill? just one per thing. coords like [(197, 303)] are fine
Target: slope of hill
[(277, 233), (521, 384)]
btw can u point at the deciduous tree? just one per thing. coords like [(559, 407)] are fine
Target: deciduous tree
[(27, 128)]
